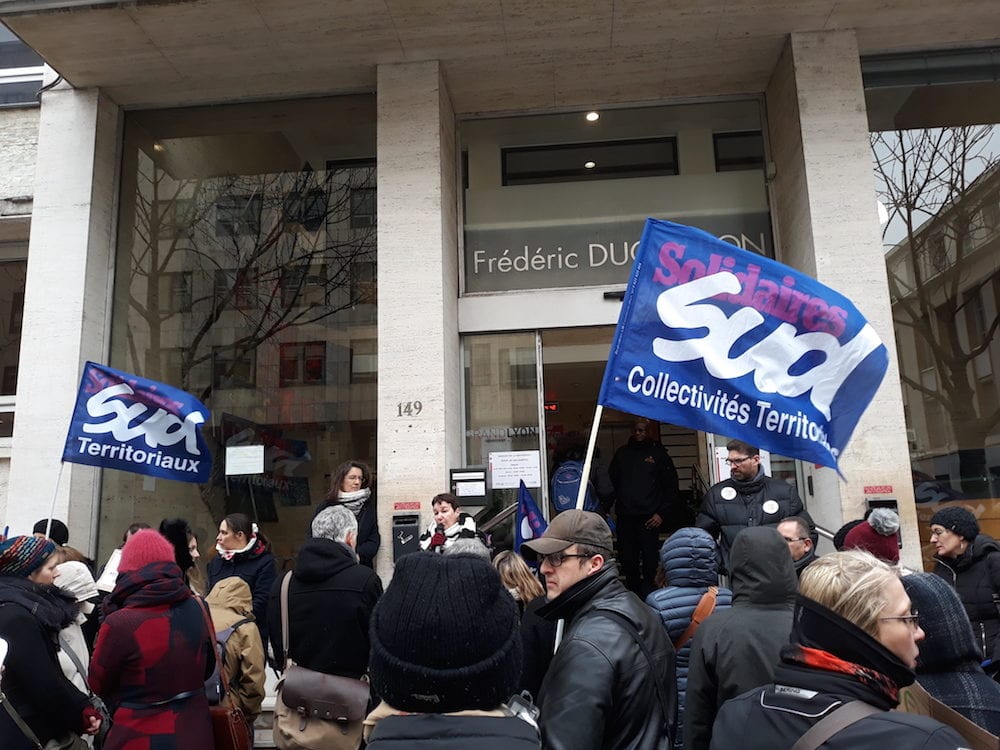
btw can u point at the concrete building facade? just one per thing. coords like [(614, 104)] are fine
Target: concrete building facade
[(430, 106)]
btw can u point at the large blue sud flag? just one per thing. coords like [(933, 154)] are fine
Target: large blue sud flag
[(722, 340), (122, 421)]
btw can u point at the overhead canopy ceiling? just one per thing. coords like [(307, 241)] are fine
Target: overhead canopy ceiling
[(497, 54)]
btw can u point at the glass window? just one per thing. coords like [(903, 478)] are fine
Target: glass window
[(238, 219), (560, 200), (936, 156), (599, 160), (737, 151), (20, 71), (12, 278)]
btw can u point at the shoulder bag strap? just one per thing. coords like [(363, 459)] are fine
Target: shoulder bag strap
[(219, 654), (284, 616), (64, 645), (825, 728), (25, 729), (657, 679), (706, 605)]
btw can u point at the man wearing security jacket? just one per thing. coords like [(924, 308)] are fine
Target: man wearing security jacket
[(747, 498)]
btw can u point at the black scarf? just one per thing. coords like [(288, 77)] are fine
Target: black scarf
[(53, 608), (152, 585), (816, 627)]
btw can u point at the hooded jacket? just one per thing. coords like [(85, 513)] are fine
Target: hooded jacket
[(948, 666), (230, 602), (600, 689), (330, 601), (976, 578), (690, 560), (844, 664), (733, 505), (736, 649)]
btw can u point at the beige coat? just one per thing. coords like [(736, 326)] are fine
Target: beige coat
[(230, 601)]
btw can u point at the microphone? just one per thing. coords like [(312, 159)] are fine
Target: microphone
[(440, 528)]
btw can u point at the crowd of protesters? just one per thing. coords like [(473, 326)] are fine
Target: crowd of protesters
[(465, 648)]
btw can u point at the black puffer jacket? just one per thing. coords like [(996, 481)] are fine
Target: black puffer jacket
[(976, 578), (443, 732), (773, 717), (330, 600), (731, 505), (736, 649), (690, 562), (600, 689)]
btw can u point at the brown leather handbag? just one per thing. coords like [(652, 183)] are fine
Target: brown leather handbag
[(229, 723), (315, 710)]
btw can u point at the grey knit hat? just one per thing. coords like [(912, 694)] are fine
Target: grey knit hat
[(445, 636), (958, 519)]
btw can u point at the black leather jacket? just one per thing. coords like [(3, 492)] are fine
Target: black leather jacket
[(599, 692), (724, 517)]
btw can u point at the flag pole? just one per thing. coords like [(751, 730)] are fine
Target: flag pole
[(55, 494), (581, 493)]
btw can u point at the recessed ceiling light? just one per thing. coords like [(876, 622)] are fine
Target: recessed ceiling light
[(593, 116), (159, 147), (590, 164)]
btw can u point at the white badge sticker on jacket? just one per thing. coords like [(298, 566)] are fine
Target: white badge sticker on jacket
[(770, 507), (728, 493)]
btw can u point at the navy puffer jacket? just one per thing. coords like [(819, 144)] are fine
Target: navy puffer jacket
[(690, 560)]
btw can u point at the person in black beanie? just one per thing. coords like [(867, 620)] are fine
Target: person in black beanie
[(948, 667), (970, 561), (445, 657)]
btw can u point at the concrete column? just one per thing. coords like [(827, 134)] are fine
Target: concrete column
[(823, 199), (418, 351), (70, 261)]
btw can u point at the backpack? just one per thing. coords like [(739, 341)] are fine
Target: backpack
[(213, 685), (565, 485)]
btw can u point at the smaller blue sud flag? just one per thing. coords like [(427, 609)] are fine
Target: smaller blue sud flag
[(529, 523), (122, 421), (723, 340)]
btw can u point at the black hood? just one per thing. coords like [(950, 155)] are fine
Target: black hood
[(320, 559), (948, 642), (762, 570)]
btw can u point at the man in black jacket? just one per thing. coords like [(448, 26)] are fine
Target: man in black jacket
[(611, 682), (645, 482), (747, 498), (736, 649), (330, 601)]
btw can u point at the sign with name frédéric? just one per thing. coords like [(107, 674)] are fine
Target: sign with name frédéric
[(516, 257)]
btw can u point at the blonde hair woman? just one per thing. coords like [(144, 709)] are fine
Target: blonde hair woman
[(853, 645), (517, 578)]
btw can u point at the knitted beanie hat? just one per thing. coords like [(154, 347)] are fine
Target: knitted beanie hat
[(143, 547), (958, 519), (949, 641), (20, 556), (58, 532), (876, 535), (841, 535), (445, 636)]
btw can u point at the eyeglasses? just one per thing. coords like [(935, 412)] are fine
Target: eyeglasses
[(939, 532), (737, 461), (911, 619), (556, 558), (790, 539)]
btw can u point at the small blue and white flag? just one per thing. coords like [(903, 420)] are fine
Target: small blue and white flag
[(722, 340), (529, 523), (122, 421)]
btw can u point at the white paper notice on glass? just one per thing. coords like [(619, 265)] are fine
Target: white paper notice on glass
[(244, 459), (509, 468), (470, 489)]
